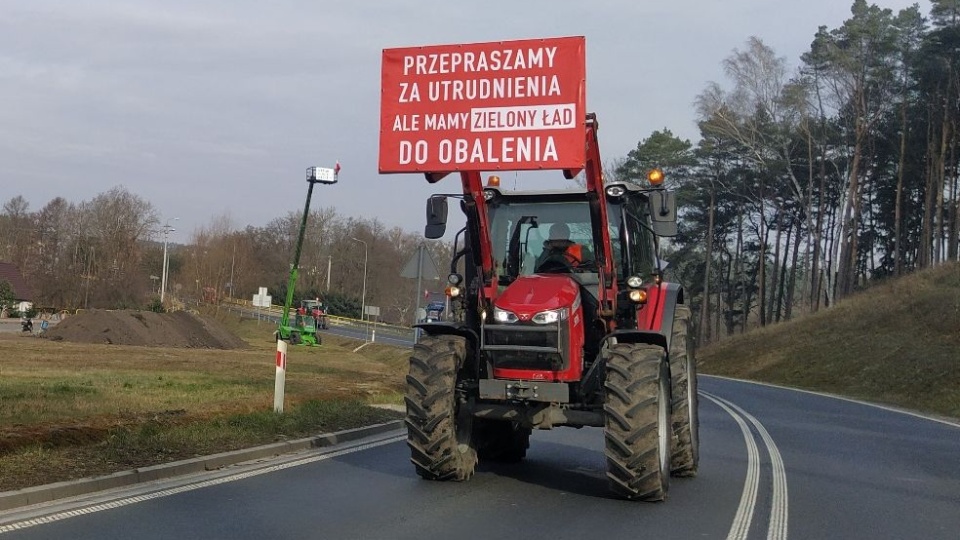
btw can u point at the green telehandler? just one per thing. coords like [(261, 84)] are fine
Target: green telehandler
[(311, 314)]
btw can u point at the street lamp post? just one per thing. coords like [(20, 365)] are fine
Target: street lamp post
[(363, 296), (167, 229)]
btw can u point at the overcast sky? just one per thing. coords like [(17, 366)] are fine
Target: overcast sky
[(217, 107)]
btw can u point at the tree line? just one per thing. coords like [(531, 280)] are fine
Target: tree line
[(807, 183), (108, 253)]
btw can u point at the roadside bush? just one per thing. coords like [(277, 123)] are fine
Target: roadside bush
[(156, 306)]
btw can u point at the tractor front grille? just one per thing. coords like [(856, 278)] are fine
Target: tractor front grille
[(525, 346), (521, 336)]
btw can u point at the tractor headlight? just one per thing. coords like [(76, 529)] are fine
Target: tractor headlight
[(615, 191), (504, 316), (550, 316), (634, 282)]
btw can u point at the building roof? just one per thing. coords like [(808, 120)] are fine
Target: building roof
[(10, 273)]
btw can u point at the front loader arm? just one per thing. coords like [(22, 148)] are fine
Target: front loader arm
[(593, 170), (479, 227), (595, 185)]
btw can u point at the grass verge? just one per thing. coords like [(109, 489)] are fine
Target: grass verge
[(163, 440), (71, 410), (896, 343)]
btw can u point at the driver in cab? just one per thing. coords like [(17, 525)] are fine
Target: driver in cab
[(559, 252)]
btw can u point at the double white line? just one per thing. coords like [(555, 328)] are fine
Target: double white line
[(740, 529), (285, 462)]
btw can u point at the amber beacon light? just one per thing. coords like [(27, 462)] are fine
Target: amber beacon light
[(655, 177)]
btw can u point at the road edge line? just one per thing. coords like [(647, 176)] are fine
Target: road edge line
[(10, 500), (942, 420)]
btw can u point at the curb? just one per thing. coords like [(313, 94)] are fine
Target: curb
[(10, 500)]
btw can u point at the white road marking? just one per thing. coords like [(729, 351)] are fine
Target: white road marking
[(944, 421), (779, 507), (19, 525), (748, 500)]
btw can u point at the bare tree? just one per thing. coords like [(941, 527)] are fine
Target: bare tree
[(119, 222)]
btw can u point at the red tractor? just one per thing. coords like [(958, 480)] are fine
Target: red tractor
[(562, 317)]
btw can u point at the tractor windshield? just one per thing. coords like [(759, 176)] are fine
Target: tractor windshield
[(531, 237)]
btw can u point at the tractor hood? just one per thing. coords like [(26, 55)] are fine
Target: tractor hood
[(529, 295)]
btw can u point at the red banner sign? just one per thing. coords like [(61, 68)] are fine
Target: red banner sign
[(507, 105)]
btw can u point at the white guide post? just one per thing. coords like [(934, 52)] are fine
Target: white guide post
[(281, 376)]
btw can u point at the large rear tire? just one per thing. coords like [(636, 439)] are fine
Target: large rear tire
[(685, 460), (637, 411), (439, 429), (506, 442)]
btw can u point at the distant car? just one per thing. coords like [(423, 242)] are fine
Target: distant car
[(435, 311)]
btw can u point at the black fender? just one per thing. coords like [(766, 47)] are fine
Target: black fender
[(456, 329), (450, 329), (673, 295), (640, 336)]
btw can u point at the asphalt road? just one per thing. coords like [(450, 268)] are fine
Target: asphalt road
[(774, 463)]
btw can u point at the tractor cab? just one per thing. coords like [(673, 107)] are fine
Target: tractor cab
[(540, 232)]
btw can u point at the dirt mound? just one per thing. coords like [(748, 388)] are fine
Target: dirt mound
[(178, 329)]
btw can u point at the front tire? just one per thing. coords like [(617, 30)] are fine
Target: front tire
[(637, 431), (439, 428), (685, 459)]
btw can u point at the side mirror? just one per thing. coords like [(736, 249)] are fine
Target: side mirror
[(436, 217), (663, 212)]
